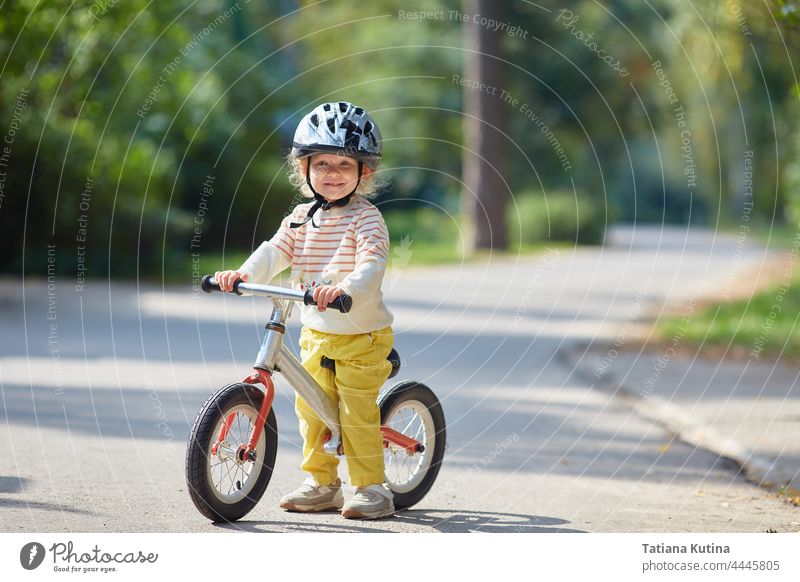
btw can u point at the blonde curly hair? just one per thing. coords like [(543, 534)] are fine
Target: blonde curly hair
[(369, 187)]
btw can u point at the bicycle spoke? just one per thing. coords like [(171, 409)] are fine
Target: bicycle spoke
[(222, 471), (405, 465), (410, 420), (230, 476), (401, 419), (239, 426), (236, 472), (420, 429), (413, 418), (232, 436), (226, 475), (220, 474)]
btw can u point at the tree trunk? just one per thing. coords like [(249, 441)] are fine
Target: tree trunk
[(485, 193)]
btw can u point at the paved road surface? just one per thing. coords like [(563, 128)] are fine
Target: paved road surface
[(95, 438)]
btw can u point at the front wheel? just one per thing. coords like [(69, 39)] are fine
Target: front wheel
[(222, 485), (412, 409)]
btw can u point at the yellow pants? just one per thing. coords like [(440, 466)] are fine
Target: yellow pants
[(361, 370)]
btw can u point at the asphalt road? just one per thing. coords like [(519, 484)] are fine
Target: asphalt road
[(100, 387)]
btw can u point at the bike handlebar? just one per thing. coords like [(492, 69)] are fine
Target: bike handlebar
[(343, 303)]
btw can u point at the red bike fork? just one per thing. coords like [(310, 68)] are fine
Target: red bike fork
[(257, 377)]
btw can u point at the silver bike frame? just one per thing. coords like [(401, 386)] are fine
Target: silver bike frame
[(274, 356)]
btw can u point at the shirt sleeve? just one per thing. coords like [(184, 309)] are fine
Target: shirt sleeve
[(272, 256), (372, 253)]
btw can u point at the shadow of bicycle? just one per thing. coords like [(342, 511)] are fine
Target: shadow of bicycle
[(415, 520), (484, 521)]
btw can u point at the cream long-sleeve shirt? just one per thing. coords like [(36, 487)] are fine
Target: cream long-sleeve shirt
[(350, 250)]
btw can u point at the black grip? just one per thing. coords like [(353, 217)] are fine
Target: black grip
[(343, 302), (209, 285)]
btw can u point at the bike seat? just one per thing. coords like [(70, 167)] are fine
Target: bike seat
[(393, 357)]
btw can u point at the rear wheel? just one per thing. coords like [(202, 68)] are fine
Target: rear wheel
[(412, 409), (223, 485)]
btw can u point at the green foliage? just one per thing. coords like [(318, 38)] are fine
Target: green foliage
[(425, 225), (426, 235), (142, 101), (147, 100), (765, 323), (788, 11), (557, 216)]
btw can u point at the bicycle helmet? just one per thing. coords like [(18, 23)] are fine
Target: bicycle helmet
[(339, 127)]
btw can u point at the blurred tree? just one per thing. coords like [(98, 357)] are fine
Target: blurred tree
[(486, 191), (129, 107), (120, 113), (741, 97)]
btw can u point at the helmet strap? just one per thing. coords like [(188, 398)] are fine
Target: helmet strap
[(320, 201)]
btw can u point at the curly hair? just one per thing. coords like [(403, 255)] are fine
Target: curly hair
[(369, 187)]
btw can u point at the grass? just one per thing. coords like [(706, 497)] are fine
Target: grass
[(764, 324), (422, 237), (773, 236), (790, 494), (429, 237), (413, 252)]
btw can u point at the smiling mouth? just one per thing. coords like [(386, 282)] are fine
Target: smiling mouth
[(332, 184)]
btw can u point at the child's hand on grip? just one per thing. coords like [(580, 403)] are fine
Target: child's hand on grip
[(226, 279), (324, 294)]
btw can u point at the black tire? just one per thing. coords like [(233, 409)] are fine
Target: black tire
[(243, 495), (417, 397)]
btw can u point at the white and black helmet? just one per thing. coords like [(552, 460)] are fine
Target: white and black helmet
[(339, 127)]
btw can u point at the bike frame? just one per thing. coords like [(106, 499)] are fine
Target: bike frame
[(273, 357)]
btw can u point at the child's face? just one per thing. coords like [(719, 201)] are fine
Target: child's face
[(334, 176)]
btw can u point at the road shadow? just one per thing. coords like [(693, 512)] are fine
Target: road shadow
[(271, 526), (484, 521), (440, 520), (25, 504), (12, 484), (521, 432)]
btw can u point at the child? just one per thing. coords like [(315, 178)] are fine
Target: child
[(336, 244)]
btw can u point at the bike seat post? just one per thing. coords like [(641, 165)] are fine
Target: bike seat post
[(267, 358)]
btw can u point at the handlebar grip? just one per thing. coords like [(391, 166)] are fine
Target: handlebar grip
[(209, 285), (343, 302)]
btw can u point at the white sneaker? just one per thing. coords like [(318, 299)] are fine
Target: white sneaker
[(370, 502), (311, 497)]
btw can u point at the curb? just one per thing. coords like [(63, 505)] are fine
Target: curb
[(757, 468)]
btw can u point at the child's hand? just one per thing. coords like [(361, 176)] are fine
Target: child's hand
[(324, 295), (226, 279)]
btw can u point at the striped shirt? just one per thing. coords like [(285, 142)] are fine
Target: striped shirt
[(350, 249)]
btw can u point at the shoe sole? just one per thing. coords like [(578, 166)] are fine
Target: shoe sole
[(310, 508), (356, 514)]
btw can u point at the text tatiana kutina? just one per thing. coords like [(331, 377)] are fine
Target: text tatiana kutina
[(681, 549)]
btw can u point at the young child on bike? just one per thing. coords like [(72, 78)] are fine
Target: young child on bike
[(336, 244)]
